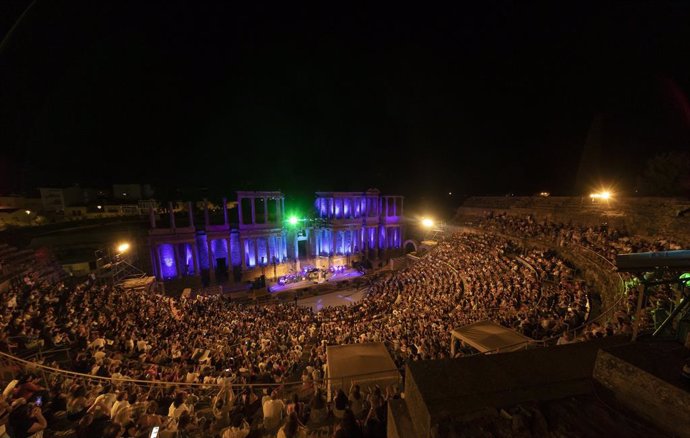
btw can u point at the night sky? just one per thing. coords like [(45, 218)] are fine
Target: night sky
[(495, 98)]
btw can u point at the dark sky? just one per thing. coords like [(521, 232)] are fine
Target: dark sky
[(499, 97)]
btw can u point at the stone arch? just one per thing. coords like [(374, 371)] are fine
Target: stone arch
[(410, 246)]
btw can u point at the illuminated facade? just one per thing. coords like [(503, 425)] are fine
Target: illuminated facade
[(345, 227)]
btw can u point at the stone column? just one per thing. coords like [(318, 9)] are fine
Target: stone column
[(225, 212), (279, 212), (195, 258), (172, 215), (239, 211), (209, 245), (152, 218), (265, 210), (207, 221), (253, 210), (243, 254), (190, 210), (256, 252), (178, 265), (333, 240)]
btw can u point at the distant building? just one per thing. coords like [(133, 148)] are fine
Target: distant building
[(79, 211), (56, 199), (147, 204), (20, 202), (132, 192), (123, 209)]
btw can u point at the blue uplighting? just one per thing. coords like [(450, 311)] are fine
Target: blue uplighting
[(250, 253), (235, 253), (166, 252), (189, 259), (262, 249), (203, 251)]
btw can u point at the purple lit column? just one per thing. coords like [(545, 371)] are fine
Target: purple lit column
[(176, 252), (265, 210), (243, 254), (211, 259), (332, 251), (195, 258)]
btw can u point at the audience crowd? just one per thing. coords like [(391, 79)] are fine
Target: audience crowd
[(228, 363)]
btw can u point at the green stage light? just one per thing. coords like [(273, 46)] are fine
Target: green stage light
[(293, 220)]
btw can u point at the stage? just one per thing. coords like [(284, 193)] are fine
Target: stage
[(348, 274)]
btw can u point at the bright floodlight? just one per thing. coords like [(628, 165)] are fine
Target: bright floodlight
[(123, 247), (27, 211), (427, 223), (604, 194), (293, 220)]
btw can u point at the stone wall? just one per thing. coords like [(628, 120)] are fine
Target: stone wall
[(650, 397), (647, 217)]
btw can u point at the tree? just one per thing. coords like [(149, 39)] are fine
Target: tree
[(667, 174)]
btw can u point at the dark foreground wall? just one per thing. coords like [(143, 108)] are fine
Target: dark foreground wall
[(463, 388), (645, 378)]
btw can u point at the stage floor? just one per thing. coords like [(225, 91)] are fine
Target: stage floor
[(336, 298), (340, 276)]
